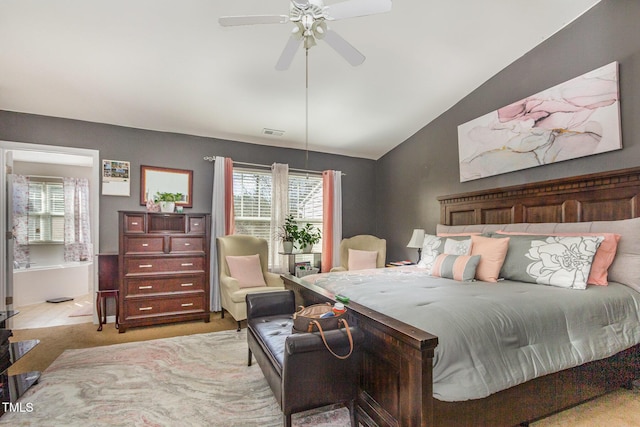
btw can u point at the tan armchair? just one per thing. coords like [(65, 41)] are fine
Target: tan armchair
[(364, 242), (232, 295)]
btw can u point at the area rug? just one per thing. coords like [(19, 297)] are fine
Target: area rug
[(195, 380)]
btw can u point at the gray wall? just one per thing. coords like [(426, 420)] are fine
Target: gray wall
[(143, 147), (415, 173), (405, 182)]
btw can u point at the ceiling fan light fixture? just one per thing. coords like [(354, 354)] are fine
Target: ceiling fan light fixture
[(319, 29), (308, 17)]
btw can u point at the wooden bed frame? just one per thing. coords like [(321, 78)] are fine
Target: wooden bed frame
[(396, 380)]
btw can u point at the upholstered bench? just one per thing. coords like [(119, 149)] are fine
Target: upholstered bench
[(299, 369)]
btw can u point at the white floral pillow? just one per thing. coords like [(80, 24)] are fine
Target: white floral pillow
[(458, 246), (430, 251), (550, 260)]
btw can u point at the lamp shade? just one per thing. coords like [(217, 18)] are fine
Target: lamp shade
[(417, 239)]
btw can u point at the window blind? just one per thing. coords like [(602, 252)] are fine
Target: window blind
[(252, 202), (46, 212)]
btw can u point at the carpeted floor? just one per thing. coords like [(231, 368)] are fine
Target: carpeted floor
[(197, 380), (114, 377), (54, 340)]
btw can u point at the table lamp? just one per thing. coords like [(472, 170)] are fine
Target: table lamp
[(417, 239)]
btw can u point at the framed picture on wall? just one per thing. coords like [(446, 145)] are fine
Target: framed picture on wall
[(116, 178)]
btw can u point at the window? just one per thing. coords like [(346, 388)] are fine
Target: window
[(252, 201), (46, 212)]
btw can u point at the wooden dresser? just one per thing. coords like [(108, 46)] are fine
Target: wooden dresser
[(163, 268)]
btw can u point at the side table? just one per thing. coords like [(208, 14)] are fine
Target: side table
[(316, 263), (101, 305)]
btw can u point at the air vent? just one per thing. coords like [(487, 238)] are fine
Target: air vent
[(272, 132)]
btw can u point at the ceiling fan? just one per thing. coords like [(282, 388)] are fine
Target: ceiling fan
[(309, 17)]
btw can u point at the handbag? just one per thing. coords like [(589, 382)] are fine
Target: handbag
[(308, 319)]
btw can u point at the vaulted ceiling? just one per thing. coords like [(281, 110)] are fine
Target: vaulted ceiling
[(168, 65)]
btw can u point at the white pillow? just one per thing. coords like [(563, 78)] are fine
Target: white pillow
[(457, 247), (430, 251)]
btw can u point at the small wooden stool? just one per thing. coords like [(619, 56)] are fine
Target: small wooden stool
[(101, 304)]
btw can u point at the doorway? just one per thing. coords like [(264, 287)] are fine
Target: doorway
[(21, 289)]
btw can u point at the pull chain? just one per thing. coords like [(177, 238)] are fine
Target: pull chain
[(306, 99)]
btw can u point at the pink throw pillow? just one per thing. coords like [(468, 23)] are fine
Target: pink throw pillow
[(458, 234), (362, 260), (246, 269), (602, 260), (492, 254)]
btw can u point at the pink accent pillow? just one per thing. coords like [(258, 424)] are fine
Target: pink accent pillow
[(362, 260), (458, 234), (602, 260), (492, 254), (246, 269)]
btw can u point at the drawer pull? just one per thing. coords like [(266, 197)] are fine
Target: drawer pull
[(187, 305), (145, 265), (195, 224), (187, 264), (187, 244), (145, 287), (134, 223), (144, 245), (145, 308), (186, 284)]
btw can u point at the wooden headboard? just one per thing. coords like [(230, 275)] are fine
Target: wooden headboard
[(601, 196)]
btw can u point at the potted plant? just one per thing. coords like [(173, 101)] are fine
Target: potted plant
[(167, 200), (289, 234), (307, 237)]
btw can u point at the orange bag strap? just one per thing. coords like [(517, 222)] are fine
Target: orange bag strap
[(325, 340)]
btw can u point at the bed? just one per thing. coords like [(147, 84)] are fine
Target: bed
[(397, 374)]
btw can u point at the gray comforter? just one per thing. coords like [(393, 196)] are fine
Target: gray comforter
[(493, 336)]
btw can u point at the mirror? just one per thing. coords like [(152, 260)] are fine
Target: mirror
[(166, 180)]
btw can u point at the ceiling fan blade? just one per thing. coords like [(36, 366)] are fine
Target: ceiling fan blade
[(354, 8), (232, 21), (290, 49), (344, 48)]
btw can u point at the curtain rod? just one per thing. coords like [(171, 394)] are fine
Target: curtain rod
[(213, 159), (45, 177)]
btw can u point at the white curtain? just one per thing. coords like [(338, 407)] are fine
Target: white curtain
[(218, 222), (279, 210), (21, 219), (77, 229)]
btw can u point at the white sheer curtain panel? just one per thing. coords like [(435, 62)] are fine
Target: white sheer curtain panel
[(77, 227), (218, 222), (21, 219), (279, 210)]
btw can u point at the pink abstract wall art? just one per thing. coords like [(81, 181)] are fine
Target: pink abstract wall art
[(578, 118)]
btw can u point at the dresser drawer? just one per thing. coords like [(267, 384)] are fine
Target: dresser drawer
[(197, 224), (186, 244), (134, 223), (163, 306), (185, 283), (153, 265), (143, 244)]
